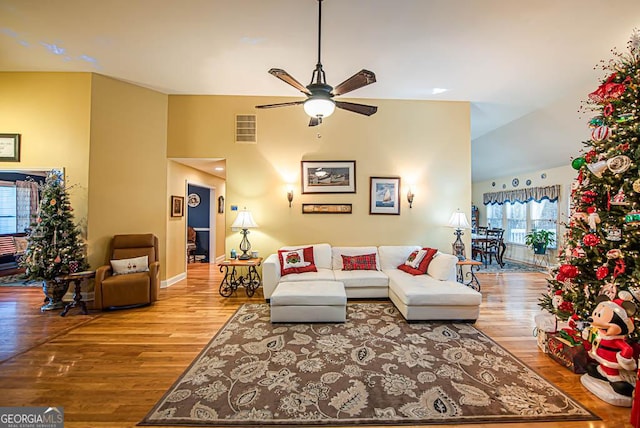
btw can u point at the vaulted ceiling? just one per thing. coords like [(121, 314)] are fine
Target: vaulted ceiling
[(524, 66)]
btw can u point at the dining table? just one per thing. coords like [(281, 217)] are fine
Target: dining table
[(482, 244)]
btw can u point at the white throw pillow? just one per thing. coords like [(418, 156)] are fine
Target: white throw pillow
[(295, 259), (415, 261), (125, 266), (441, 266)]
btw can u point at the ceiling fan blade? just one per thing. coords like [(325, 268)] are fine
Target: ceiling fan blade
[(358, 80), (287, 78), (357, 108), (292, 103), (314, 121)]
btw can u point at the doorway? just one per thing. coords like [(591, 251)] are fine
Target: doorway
[(201, 219)]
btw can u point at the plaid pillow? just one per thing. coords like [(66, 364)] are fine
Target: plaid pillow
[(363, 262)]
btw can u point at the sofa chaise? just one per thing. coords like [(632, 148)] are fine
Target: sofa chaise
[(435, 295)]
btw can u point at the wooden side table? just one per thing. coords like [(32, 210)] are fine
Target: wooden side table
[(234, 278), (76, 279), (473, 282)]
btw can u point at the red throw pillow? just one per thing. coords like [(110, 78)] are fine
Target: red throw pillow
[(424, 264), (409, 269), (296, 261), (363, 262)]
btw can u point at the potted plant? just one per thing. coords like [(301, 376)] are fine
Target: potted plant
[(539, 240)]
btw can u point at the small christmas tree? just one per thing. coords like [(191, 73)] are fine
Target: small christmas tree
[(602, 241), (54, 245)]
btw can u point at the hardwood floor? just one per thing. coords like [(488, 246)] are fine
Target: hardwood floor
[(107, 369)]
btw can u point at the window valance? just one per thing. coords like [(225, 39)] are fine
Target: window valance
[(523, 195)]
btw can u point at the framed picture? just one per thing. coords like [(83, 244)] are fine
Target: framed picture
[(328, 176), (326, 208), (220, 204), (384, 195), (9, 147), (177, 206)]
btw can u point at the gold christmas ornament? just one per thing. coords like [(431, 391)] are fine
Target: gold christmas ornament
[(636, 186)]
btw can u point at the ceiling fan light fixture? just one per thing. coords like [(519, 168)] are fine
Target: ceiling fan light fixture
[(319, 107)]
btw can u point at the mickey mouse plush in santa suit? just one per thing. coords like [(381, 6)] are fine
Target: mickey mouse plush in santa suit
[(613, 322)]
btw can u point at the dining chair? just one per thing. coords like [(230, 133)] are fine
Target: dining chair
[(492, 246)]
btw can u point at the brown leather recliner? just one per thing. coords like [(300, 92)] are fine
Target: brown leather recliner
[(131, 289)]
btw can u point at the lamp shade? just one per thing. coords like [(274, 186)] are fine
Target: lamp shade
[(244, 221), (459, 221), (319, 107)]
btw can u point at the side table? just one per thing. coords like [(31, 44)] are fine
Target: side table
[(473, 282), (76, 279), (233, 278)]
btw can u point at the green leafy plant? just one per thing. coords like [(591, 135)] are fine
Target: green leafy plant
[(539, 240)]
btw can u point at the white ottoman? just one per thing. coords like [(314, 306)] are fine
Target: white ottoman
[(309, 301)]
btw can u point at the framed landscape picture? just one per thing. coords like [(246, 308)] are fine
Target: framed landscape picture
[(384, 195), (328, 176)]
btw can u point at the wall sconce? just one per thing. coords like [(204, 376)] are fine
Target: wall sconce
[(410, 196), (290, 196)]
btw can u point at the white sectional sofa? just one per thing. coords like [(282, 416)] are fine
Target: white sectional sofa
[(433, 296)]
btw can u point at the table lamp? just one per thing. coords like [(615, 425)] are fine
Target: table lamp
[(459, 221), (243, 222)]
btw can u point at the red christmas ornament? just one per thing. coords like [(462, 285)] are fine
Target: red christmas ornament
[(602, 272), (619, 268), (566, 306), (589, 197), (57, 259), (568, 271), (600, 133), (607, 110), (623, 147), (590, 240), (591, 156)]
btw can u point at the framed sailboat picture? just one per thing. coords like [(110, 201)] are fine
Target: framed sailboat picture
[(384, 195), (328, 176)]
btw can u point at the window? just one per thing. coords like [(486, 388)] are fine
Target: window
[(544, 215), (522, 217), (494, 216), (8, 221), (516, 222), (521, 210)]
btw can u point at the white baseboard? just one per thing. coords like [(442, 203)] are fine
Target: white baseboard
[(170, 281)]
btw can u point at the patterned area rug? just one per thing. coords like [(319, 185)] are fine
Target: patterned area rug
[(18, 281), (374, 369), (511, 266)]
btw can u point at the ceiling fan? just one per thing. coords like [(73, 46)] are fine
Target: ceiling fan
[(320, 103)]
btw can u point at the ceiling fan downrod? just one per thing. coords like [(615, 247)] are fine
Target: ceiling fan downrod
[(318, 75)]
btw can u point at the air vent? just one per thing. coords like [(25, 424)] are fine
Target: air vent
[(246, 129)]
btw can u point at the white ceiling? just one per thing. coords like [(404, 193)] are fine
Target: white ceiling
[(511, 59)]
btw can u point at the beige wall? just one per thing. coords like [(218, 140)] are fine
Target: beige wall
[(51, 111), (128, 165), (426, 143), (563, 176), (110, 138), (113, 140), (177, 178)]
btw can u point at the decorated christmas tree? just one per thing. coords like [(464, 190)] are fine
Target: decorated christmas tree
[(55, 247), (601, 245)]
